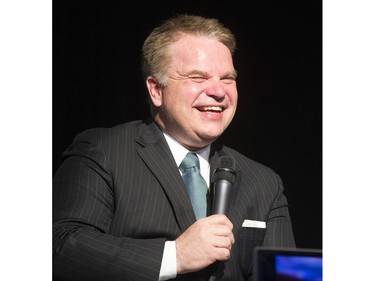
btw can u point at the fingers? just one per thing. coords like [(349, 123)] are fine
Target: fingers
[(222, 254), (223, 242), (222, 231), (208, 240), (219, 220), (223, 234)]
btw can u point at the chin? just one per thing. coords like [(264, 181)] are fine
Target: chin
[(209, 138), (212, 133)]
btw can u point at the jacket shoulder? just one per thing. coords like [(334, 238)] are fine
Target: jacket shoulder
[(95, 143), (249, 166), (104, 134)]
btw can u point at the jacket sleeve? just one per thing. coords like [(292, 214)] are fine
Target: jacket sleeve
[(83, 208), (279, 227)]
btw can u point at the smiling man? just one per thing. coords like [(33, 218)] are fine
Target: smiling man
[(121, 207), (199, 98)]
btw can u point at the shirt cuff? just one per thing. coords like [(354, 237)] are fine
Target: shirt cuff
[(168, 269)]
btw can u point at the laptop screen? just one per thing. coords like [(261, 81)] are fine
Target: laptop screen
[(283, 264)]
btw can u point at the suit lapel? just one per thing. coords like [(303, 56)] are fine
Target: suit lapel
[(157, 156)]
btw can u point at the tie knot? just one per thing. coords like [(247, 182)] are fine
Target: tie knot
[(191, 160)]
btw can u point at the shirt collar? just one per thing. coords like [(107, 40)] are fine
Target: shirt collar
[(179, 152)]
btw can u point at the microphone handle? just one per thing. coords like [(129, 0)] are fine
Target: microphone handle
[(220, 204)]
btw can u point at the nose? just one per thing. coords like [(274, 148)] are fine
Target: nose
[(216, 89)]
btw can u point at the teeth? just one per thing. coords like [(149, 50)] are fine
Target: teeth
[(212, 108)]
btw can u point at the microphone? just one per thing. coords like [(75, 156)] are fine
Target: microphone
[(224, 177)]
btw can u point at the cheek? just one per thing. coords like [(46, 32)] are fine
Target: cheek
[(233, 98), (233, 95), (187, 97), (234, 101)]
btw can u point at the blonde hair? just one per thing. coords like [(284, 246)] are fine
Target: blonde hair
[(155, 47)]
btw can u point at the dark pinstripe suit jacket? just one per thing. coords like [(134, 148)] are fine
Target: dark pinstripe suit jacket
[(118, 196)]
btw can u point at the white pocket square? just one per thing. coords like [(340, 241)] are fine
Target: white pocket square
[(252, 223)]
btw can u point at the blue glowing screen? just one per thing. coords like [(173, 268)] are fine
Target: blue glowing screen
[(296, 268)]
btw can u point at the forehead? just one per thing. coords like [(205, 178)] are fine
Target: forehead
[(204, 53)]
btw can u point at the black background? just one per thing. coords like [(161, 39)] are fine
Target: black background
[(97, 82)]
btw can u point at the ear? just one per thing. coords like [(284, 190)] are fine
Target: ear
[(154, 90)]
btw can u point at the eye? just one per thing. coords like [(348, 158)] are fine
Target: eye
[(197, 78), (228, 80)]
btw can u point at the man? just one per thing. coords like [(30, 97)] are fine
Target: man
[(121, 208)]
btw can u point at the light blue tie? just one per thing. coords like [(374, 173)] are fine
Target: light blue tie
[(195, 184)]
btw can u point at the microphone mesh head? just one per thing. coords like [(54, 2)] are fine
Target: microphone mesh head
[(226, 169), (227, 162)]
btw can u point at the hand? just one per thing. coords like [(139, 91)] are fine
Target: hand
[(208, 240)]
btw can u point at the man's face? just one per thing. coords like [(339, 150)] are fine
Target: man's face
[(200, 98)]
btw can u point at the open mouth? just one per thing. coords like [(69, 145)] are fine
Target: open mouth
[(211, 108)]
